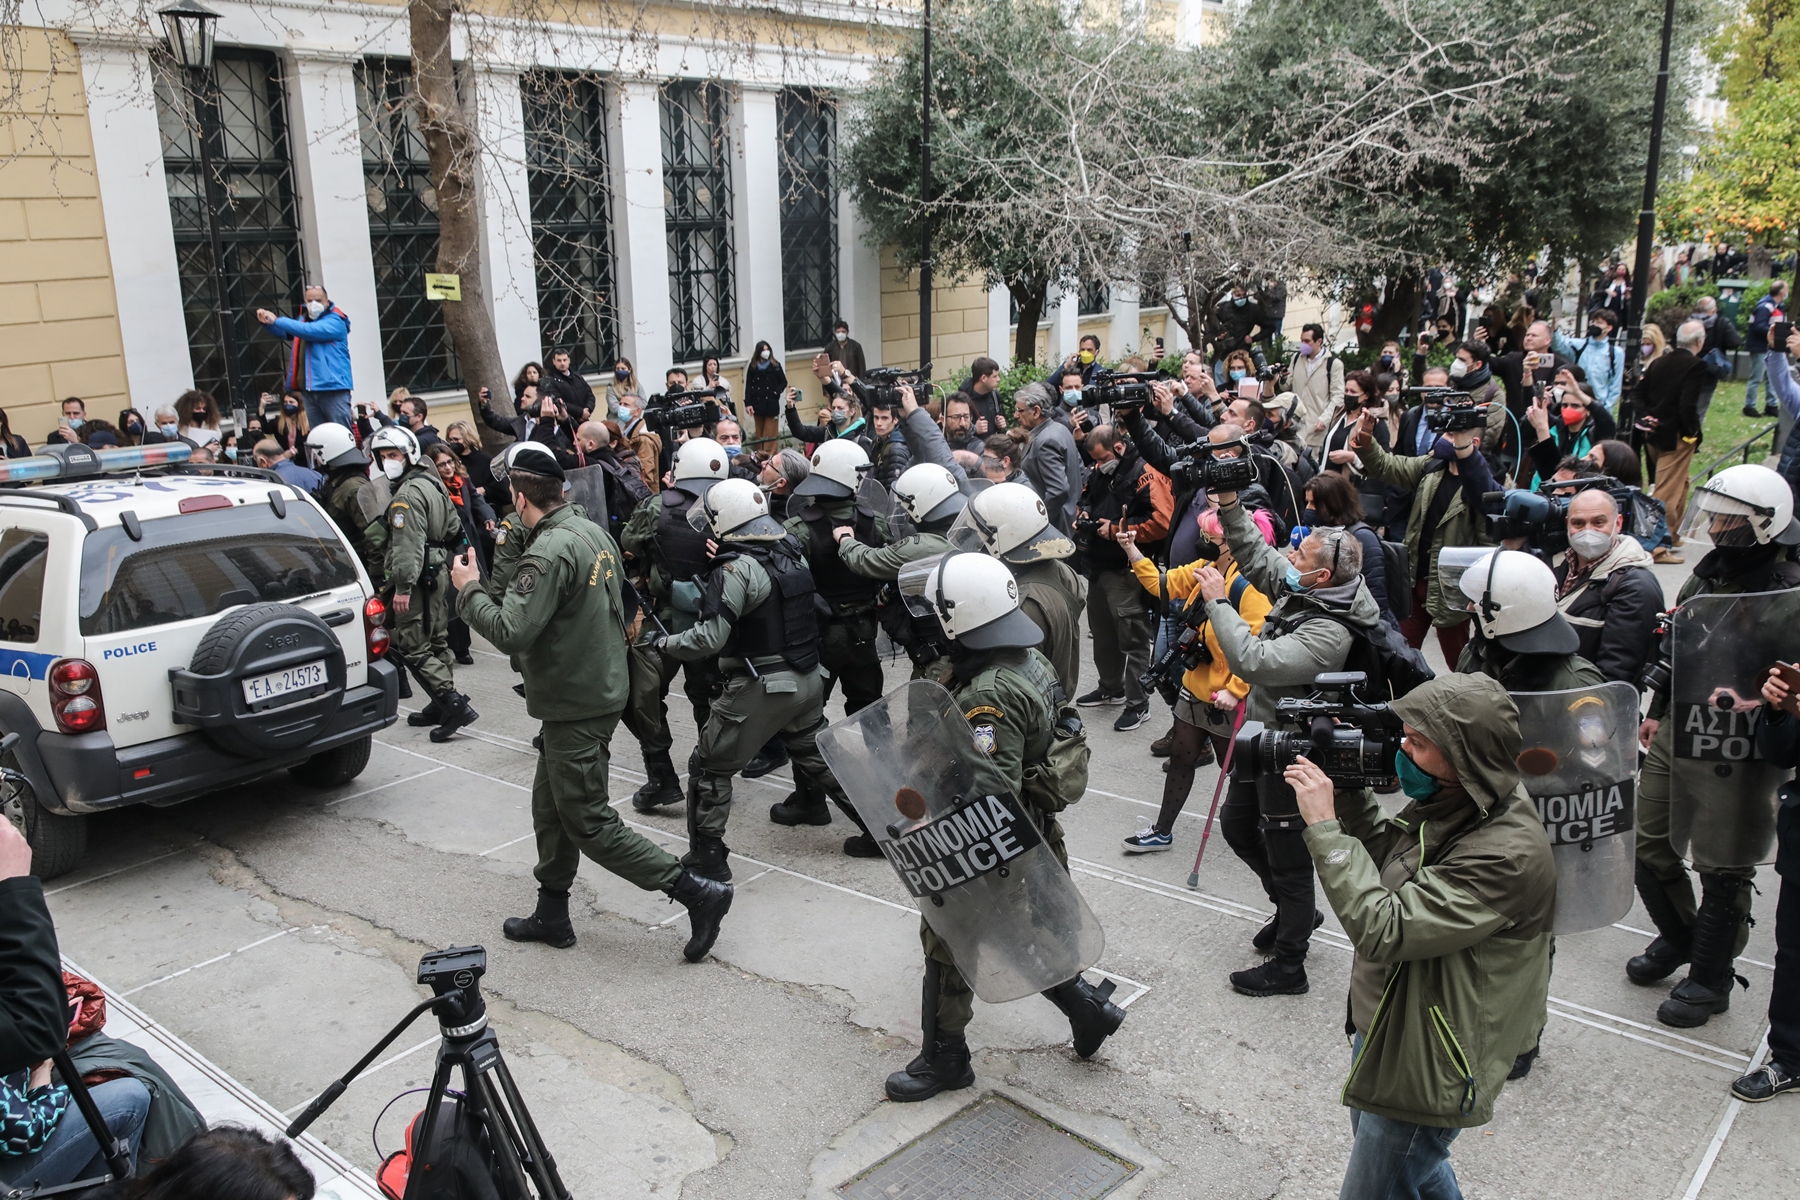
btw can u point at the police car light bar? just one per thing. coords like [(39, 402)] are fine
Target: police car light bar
[(75, 462)]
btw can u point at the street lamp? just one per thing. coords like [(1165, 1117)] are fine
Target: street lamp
[(925, 196), (190, 26), (1646, 233)]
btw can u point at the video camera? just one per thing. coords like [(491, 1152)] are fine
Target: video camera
[(1459, 411), (1184, 653), (1352, 742), (1199, 467), (1126, 391), (880, 386), (682, 410), (1542, 516)]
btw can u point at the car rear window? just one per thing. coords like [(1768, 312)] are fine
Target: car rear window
[(198, 564)]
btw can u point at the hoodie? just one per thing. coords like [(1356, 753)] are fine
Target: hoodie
[(1613, 607), (1448, 905)]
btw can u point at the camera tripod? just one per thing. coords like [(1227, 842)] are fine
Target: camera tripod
[(522, 1167), (116, 1150)]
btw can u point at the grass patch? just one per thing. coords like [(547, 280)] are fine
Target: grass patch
[(1726, 426)]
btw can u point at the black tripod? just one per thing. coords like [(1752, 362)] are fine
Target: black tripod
[(117, 1150), (522, 1166)]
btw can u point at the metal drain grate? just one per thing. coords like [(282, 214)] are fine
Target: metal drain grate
[(994, 1150)]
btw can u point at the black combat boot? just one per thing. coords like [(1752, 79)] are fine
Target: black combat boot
[(454, 712), (1273, 978), (1669, 949), (1265, 937), (1522, 1063), (707, 903), (429, 715), (773, 756), (1707, 988), (706, 856), (662, 787), (805, 805), (946, 1068), (1093, 1017), (549, 924), (405, 687)]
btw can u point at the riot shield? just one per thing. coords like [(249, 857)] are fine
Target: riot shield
[(586, 486), (1721, 792), (890, 515), (1452, 562), (968, 851), (1579, 764)]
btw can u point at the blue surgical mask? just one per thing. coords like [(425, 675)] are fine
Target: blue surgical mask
[(733, 451), (231, 453), (1415, 781), (1072, 396), (77, 422), (1236, 375), (168, 428), (1292, 578), (1240, 301)]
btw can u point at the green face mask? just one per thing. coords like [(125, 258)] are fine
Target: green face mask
[(1414, 780)]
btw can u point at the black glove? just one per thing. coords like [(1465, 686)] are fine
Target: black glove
[(656, 641)]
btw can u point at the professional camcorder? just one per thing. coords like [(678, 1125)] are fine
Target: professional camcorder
[(1200, 467), (1126, 391), (1459, 411), (880, 386), (1542, 516), (1352, 742), (682, 410)]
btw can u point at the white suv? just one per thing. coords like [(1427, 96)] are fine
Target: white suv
[(170, 629)]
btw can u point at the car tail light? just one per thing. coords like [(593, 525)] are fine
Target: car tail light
[(75, 696), (374, 625)]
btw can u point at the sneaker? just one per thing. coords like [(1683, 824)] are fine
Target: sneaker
[(1662, 554), (1750, 411), (1772, 413), (1147, 841), (1098, 698), (1132, 717), (1273, 978), (1765, 1083)]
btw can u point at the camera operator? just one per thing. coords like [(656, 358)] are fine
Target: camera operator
[(1448, 905), (1052, 460), (1317, 377), (1606, 590), (1472, 371), (1447, 484), (1517, 369), (1521, 638), (1279, 482), (1082, 363), (541, 419), (1319, 600), (1122, 491)]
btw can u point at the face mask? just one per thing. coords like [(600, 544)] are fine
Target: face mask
[(733, 451), (1107, 467), (1308, 519), (1415, 781), (621, 376), (838, 416), (1240, 301), (168, 430), (1597, 332), (1072, 396), (764, 356), (1292, 579), (1646, 350), (393, 468), (290, 409), (199, 415), (77, 422), (1236, 375), (231, 453), (1086, 356), (315, 309), (1387, 360), (1458, 369), (1573, 417), (1590, 544), (1307, 349), (134, 427), (1207, 551), (843, 335)]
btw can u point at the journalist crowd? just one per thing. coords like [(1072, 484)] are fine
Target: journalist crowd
[(1262, 537)]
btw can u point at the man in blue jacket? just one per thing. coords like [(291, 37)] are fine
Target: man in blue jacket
[(1770, 309), (324, 328)]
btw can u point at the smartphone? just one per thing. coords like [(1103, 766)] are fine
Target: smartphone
[(1779, 333), (1790, 675)]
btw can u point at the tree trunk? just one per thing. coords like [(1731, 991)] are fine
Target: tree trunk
[(455, 168), (1400, 309), (1762, 263), (1028, 293)]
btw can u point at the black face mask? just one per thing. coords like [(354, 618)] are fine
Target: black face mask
[(1309, 517), (199, 414), (1208, 551), (1597, 332)]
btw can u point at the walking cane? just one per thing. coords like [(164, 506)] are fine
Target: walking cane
[(1218, 790)]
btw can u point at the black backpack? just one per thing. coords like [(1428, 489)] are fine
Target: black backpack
[(1380, 653), (1398, 562)]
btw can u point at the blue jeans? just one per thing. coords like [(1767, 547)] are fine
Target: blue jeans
[(1397, 1160), (1758, 364), (71, 1154), (328, 406)]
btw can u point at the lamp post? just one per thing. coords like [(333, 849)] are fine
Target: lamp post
[(190, 26), (925, 197), (1646, 232)]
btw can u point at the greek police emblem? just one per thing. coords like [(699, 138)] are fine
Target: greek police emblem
[(984, 738)]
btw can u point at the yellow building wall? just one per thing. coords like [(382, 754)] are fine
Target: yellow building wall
[(59, 326), (959, 333)]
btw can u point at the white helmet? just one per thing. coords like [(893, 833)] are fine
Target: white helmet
[(700, 463), (735, 509), (1009, 521), (395, 437), (975, 598), (332, 445), (837, 468), (1745, 505), (1514, 597), (929, 492)]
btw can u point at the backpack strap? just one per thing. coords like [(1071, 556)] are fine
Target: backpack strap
[(1239, 586)]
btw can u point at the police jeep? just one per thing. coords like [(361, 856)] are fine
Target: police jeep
[(168, 629)]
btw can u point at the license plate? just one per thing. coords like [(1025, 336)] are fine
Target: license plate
[(280, 683)]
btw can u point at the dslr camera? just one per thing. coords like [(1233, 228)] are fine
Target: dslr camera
[(1200, 467), (880, 386), (1352, 742), (682, 410), (1126, 391), (1459, 411)]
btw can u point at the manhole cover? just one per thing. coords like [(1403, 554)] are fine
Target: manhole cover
[(995, 1150)]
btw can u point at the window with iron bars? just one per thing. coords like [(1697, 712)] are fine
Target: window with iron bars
[(809, 236), (244, 121), (403, 229), (697, 218), (571, 217), (1094, 297)]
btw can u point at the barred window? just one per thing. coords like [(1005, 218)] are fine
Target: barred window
[(403, 229), (571, 216), (809, 245), (244, 122), (697, 218), (1095, 297)]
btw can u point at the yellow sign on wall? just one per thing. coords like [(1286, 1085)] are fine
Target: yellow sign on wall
[(443, 287)]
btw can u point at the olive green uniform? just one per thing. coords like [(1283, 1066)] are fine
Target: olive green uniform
[(777, 700), (356, 502), (885, 563), (847, 646), (560, 616), (416, 532), (647, 713), (1008, 702), (1053, 596)]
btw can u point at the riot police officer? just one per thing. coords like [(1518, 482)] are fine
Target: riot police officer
[(418, 533), (354, 500), (669, 555), (1008, 693), (757, 617), (561, 614), (1521, 638), (1011, 522), (1746, 513)]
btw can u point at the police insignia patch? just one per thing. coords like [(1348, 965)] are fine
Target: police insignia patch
[(526, 580), (984, 738), (500, 536), (398, 520)]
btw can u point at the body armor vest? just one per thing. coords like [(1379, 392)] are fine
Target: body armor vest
[(843, 589), (680, 548), (787, 623)]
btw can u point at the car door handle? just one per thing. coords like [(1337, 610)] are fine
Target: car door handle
[(340, 616)]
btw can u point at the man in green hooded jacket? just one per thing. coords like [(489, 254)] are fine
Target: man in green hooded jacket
[(1448, 905)]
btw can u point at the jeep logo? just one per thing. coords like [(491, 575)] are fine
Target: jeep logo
[(282, 641)]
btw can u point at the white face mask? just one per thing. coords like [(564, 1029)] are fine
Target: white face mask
[(765, 356), (393, 468), (1458, 369), (315, 309), (1590, 544)]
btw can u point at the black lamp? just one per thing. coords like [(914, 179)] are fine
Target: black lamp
[(190, 26)]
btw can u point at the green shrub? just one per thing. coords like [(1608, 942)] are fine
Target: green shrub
[(1671, 306)]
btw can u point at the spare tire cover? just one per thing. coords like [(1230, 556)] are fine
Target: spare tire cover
[(254, 643)]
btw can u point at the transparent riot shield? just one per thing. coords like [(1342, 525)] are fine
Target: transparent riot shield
[(1452, 562), (586, 486), (970, 852), (1579, 764), (890, 515), (1721, 792)]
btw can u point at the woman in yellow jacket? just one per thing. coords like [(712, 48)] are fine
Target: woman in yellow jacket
[(1206, 710)]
